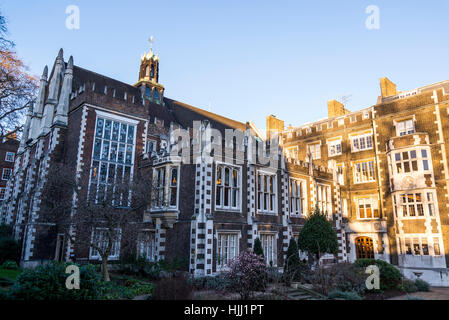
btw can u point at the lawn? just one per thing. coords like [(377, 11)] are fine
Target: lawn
[(9, 274)]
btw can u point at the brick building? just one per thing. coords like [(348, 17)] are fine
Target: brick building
[(206, 212), (8, 151), (392, 168)]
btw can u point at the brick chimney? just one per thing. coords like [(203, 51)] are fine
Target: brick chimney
[(387, 88), (335, 109), (274, 125)]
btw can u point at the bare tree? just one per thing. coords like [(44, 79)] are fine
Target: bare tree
[(17, 87), (103, 221)]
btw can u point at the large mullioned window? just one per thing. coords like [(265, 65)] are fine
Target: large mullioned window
[(324, 198), (227, 187), (113, 159), (147, 245)]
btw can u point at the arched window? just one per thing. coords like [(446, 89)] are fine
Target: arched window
[(364, 248), (152, 72), (147, 71)]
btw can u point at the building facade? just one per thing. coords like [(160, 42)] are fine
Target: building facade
[(8, 151), (379, 174), (391, 163)]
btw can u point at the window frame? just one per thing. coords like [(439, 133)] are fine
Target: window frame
[(260, 184), (356, 147), (117, 247), (373, 201), (316, 155), (166, 187), (274, 249), (10, 170), (332, 148), (406, 130), (302, 198), (9, 153), (222, 187), (221, 265), (358, 176)]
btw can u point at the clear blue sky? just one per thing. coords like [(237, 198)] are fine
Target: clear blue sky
[(246, 59)]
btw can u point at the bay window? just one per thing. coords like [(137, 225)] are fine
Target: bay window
[(165, 186)]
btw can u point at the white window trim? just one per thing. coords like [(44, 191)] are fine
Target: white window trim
[(276, 238), (332, 142), (315, 143), (374, 199), (358, 136), (304, 207), (354, 171), (140, 245), (397, 121), (6, 170), (167, 187), (8, 153), (275, 188), (111, 257), (240, 182), (425, 203), (113, 117), (237, 248)]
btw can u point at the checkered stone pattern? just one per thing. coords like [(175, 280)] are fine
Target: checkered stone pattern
[(160, 241), (285, 210), (251, 192)]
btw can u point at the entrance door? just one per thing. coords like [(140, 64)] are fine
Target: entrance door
[(364, 248)]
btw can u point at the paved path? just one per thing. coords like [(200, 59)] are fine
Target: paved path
[(435, 293)]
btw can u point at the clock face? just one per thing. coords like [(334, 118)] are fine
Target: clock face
[(408, 182)]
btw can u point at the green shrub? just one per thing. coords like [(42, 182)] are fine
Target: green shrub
[(390, 277), (140, 266), (10, 265), (292, 267), (130, 289), (409, 286), (257, 249), (337, 294), (47, 282), (217, 283), (345, 277), (9, 250), (6, 231), (422, 285)]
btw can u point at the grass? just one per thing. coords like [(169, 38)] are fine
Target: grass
[(9, 274)]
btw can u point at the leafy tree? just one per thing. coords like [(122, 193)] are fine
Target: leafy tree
[(17, 87), (292, 264), (258, 247), (318, 236)]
